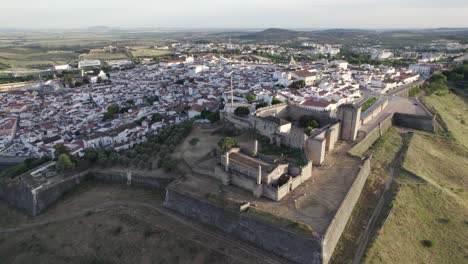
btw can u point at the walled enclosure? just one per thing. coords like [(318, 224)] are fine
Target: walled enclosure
[(34, 201)]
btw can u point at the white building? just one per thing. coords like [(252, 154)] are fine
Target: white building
[(89, 63)]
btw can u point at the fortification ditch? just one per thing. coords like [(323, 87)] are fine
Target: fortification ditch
[(291, 245)]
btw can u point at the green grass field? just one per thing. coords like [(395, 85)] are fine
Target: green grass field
[(453, 109), (422, 212), (384, 151), (431, 206), (28, 57)]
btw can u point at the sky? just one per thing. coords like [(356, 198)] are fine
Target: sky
[(234, 13)]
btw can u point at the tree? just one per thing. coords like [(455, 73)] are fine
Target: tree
[(251, 98), (90, 154), (156, 117), (298, 84), (64, 163), (60, 149), (308, 121), (130, 102), (227, 143), (260, 105), (111, 111), (242, 111), (275, 101)]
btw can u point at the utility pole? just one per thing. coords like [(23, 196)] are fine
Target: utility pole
[(232, 94)]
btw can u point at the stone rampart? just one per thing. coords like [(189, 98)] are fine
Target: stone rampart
[(300, 248), (420, 122), (339, 221)]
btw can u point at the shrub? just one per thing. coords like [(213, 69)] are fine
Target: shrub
[(275, 101), (194, 141), (260, 105), (242, 111), (427, 243), (251, 98), (227, 143), (64, 163), (308, 121)]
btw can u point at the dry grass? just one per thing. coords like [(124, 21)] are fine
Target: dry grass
[(454, 112), (384, 151), (422, 212), (144, 52), (433, 207), (121, 234), (440, 161)]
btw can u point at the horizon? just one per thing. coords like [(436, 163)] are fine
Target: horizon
[(248, 14)]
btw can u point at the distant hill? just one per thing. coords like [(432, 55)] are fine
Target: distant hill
[(273, 34)]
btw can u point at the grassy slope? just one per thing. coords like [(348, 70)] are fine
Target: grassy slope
[(421, 212), (384, 151), (452, 109), (440, 161), (435, 210)]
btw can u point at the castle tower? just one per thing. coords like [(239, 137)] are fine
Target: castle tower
[(259, 177), (350, 116), (292, 61)]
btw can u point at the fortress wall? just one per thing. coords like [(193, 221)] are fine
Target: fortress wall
[(21, 196), (339, 221), (17, 194), (272, 110), (292, 141), (141, 181), (300, 248), (373, 135), (316, 148), (49, 194), (333, 134), (420, 122), (373, 113), (296, 111)]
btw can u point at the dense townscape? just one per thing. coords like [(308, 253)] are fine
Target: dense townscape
[(149, 96)]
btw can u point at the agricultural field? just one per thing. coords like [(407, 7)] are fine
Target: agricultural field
[(103, 56), (31, 57), (40, 50), (147, 52)]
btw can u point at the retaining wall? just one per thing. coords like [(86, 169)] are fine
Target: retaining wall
[(291, 245), (420, 122)]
